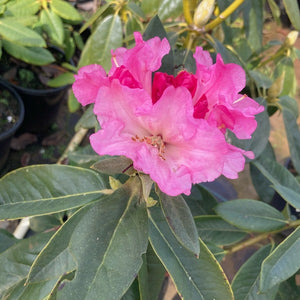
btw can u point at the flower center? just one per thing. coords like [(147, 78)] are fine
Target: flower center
[(155, 140)]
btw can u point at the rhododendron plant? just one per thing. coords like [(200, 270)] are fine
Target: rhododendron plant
[(172, 127)]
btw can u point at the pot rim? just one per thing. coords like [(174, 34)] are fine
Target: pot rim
[(13, 129)]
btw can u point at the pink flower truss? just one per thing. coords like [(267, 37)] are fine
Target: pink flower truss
[(172, 128)]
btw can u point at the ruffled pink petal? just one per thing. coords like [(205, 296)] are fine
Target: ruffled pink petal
[(87, 83)]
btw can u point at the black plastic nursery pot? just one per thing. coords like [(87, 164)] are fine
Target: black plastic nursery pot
[(41, 107), (7, 135)]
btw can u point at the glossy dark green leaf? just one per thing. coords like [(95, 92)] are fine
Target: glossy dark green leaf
[(262, 185), (53, 25), (253, 17), (288, 290), (292, 131), (292, 9), (19, 34), (169, 9), (106, 37), (245, 284), (65, 10), (217, 231), (259, 139), (184, 60), (133, 292), (200, 201), (251, 215), (282, 263), (61, 80), (282, 180), (156, 29), (83, 156), (6, 240), (45, 189), (16, 261), (113, 236), (42, 223), (194, 278), (31, 55), (180, 220), (151, 275)]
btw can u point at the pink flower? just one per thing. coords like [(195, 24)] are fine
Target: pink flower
[(174, 127)]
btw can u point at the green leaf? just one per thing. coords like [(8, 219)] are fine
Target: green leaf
[(200, 201), (19, 34), (259, 139), (61, 80), (282, 263), (136, 10), (151, 275), (23, 8), (42, 223), (288, 290), (251, 215), (88, 119), (260, 79), (113, 236), (170, 9), (292, 132), (292, 10), (73, 104), (275, 10), (194, 278), (150, 7), (262, 185), (24, 20), (253, 16), (83, 156), (133, 292), (245, 284), (31, 55), (156, 29), (45, 189), (66, 11), (283, 181), (53, 25), (215, 230), (180, 220), (112, 165), (107, 36), (16, 261), (6, 240)]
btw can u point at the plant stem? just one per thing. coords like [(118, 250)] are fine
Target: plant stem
[(258, 238), (222, 16), (188, 5)]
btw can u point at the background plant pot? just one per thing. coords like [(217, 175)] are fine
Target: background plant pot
[(41, 107), (6, 136)]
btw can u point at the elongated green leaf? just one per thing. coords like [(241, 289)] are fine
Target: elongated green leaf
[(87, 120), (180, 220), (245, 284), (195, 278), (251, 215), (61, 80), (150, 7), (133, 292), (282, 263), (6, 240), (53, 25), (292, 133), (84, 156), (261, 183), (200, 201), (292, 9), (136, 10), (283, 181), (288, 290), (24, 20), (19, 34), (253, 15), (23, 8), (32, 55), (113, 236), (170, 9), (16, 261), (151, 276), (66, 11), (45, 189), (73, 104), (107, 36), (215, 230)]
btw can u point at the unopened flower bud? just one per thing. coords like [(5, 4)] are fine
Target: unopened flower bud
[(291, 38), (203, 12)]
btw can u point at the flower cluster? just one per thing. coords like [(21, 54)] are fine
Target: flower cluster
[(172, 128)]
